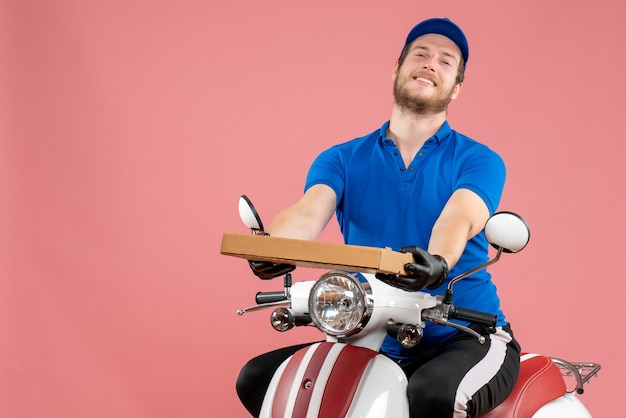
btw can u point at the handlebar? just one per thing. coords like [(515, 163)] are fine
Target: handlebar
[(475, 317), (270, 297)]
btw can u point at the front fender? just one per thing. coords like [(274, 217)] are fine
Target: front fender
[(337, 380)]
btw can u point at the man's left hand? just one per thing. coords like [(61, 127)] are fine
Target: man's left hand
[(427, 270)]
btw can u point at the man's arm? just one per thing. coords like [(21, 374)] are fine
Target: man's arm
[(463, 216), (308, 217)]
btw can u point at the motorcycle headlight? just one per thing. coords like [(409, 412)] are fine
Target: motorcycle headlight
[(338, 304)]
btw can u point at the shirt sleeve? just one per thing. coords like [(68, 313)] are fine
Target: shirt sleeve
[(328, 169), (484, 173)]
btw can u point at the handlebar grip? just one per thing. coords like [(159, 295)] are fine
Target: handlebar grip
[(475, 317), (302, 320), (269, 297)]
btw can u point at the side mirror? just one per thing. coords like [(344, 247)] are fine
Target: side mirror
[(507, 231), (249, 216)]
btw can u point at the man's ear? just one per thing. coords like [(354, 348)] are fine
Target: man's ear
[(394, 74), (456, 90)]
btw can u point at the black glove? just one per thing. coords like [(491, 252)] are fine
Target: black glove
[(428, 271), (266, 270)]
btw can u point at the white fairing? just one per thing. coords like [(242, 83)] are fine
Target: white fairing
[(300, 296), (567, 405), (381, 392)]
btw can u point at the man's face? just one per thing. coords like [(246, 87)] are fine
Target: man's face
[(425, 82)]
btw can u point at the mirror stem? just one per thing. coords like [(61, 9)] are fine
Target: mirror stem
[(472, 271), (287, 284)]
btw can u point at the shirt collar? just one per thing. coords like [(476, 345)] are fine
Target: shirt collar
[(444, 131)]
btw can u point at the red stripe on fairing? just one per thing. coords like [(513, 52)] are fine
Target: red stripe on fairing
[(344, 380), (288, 380), (303, 399), (279, 405)]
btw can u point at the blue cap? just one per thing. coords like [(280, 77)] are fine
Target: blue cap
[(441, 26)]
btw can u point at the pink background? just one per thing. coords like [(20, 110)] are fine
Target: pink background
[(129, 129)]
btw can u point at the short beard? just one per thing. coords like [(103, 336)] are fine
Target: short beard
[(419, 106)]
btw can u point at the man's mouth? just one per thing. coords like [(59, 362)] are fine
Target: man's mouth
[(425, 80)]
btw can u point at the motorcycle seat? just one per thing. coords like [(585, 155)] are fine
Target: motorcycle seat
[(540, 381)]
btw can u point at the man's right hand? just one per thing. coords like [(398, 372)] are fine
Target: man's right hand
[(266, 270)]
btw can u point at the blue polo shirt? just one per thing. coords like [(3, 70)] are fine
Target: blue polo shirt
[(383, 203)]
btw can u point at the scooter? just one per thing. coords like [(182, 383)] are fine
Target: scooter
[(345, 376)]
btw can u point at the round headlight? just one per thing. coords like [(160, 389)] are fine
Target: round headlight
[(338, 304)]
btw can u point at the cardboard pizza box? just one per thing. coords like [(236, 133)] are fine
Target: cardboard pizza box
[(315, 254)]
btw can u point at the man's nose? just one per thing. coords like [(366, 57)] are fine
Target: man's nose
[(429, 64)]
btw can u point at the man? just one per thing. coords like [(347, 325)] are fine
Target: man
[(415, 184)]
